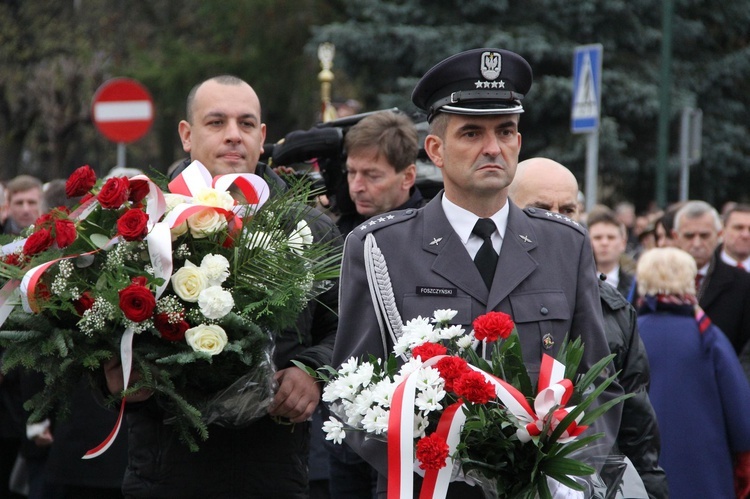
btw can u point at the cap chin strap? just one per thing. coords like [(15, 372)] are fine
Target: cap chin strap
[(516, 109)]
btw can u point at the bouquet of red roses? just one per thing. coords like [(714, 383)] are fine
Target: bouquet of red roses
[(450, 414), (186, 285)]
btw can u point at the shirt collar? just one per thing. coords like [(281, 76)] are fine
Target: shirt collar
[(731, 261), (463, 220)]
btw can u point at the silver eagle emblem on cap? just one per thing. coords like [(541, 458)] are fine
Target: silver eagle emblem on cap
[(491, 65)]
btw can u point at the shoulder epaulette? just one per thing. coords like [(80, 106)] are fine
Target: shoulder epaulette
[(551, 215), (381, 221)]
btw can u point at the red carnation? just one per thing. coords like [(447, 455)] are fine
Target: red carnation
[(451, 368), (169, 330), (133, 225), (428, 350), (38, 242), (85, 302), (114, 193), (493, 325), (65, 233), (138, 190), (473, 387), (80, 182), (432, 452), (137, 302)]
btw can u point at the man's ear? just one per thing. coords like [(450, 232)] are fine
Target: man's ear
[(410, 176), (433, 146), (184, 131)]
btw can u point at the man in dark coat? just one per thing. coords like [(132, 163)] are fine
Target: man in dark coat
[(546, 184), (723, 291), (544, 272), (269, 458)]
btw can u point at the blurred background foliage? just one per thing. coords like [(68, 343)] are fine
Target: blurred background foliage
[(54, 55)]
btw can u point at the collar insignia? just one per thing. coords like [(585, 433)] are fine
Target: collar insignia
[(436, 241)]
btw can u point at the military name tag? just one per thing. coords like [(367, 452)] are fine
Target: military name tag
[(424, 290)]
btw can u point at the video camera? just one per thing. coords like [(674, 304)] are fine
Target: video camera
[(324, 143)]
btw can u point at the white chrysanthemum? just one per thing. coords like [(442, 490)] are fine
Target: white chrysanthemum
[(215, 302), (376, 420), (349, 366), (363, 375), (451, 332), (419, 330), (216, 269), (444, 315), (428, 400), (334, 430), (208, 196), (428, 377), (464, 342), (363, 402), (382, 392), (421, 423), (342, 387), (300, 238)]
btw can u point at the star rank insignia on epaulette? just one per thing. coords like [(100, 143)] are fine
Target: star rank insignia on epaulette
[(551, 215), (380, 221)]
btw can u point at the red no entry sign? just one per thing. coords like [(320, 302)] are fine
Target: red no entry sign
[(122, 110)]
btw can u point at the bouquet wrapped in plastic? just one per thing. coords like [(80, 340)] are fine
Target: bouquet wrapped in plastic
[(449, 414), (185, 284)]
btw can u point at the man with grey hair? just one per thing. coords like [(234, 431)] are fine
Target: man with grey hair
[(723, 291)]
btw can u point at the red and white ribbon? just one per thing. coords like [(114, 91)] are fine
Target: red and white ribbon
[(126, 354), (553, 391)]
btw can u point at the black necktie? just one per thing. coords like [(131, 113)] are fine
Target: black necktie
[(486, 258)]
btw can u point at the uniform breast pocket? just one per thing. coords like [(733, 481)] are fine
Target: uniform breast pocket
[(542, 318), (425, 305)]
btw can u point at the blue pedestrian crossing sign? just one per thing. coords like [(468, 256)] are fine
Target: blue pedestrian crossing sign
[(587, 88)]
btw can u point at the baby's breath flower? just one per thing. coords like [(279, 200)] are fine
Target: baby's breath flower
[(182, 251), (95, 318)]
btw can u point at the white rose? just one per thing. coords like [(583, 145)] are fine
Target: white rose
[(210, 339), (188, 282), (179, 230), (216, 268), (206, 222), (300, 238), (215, 302), (211, 197), (173, 200)]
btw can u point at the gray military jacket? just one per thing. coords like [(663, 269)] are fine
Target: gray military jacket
[(545, 279)]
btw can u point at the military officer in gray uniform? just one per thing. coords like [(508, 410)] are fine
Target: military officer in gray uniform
[(541, 267)]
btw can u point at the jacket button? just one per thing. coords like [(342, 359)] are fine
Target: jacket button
[(544, 311)]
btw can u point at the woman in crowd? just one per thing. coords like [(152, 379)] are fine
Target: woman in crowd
[(698, 388)]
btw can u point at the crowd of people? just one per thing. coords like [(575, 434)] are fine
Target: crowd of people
[(668, 292)]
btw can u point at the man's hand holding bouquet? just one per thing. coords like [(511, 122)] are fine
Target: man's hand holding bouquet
[(449, 414), (184, 287)]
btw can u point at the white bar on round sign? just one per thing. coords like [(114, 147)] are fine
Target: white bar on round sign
[(123, 111)]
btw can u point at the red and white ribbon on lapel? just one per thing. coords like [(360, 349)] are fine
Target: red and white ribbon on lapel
[(553, 391)]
